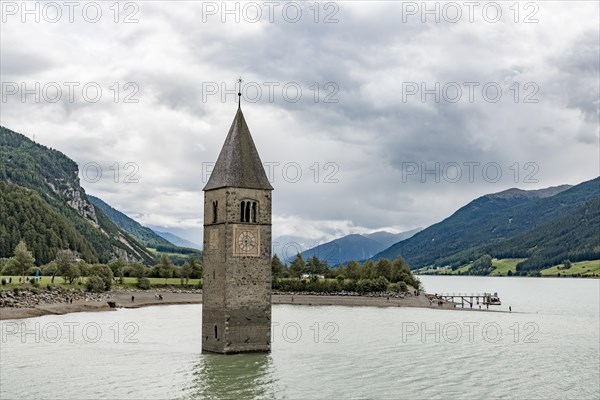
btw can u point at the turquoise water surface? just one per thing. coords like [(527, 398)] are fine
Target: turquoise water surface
[(548, 347)]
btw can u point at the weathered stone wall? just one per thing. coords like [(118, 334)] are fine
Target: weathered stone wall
[(237, 289), (236, 330)]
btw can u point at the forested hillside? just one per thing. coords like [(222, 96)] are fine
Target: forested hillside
[(574, 236), (54, 177), (25, 215), (490, 220)]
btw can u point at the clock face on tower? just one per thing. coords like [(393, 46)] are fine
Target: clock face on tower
[(246, 242)]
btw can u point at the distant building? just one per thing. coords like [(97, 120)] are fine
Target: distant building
[(307, 276)]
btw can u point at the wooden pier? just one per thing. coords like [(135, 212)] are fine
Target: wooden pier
[(486, 299)]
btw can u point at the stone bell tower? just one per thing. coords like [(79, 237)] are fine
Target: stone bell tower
[(236, 311)]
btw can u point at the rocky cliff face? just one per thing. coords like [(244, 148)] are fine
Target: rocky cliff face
[(76, 198), (79, 203)]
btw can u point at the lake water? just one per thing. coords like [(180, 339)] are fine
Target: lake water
[(548, 347)]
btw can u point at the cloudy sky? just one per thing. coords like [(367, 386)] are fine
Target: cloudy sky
[(368, 116)]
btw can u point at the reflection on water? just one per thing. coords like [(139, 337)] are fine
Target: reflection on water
[(237, 376)]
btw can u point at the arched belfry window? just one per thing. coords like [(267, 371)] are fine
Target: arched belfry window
[(215, 208), (248, 211)]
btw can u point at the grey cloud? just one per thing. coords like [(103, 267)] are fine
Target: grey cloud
[(369, 133), (17, 63)]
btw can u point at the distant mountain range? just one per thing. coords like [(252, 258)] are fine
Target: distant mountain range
[(144, 235), (387, 239), (545, 226), (355, 247), (178, 241), (163, 241), (287, 246)]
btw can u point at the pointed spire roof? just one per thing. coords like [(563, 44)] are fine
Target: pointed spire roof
[(238, 164)]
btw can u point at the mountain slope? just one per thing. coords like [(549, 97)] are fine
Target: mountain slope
[(487, 220), (54, 177), (574, 236), (144, 235), (178, 252), (24, 214), (355, 247), (338, 251), (387, 239), (178, 241)]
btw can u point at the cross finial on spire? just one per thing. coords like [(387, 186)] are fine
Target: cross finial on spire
[(239, 81)]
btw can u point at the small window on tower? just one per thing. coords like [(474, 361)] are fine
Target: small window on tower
[(248, 211), (215, 208)]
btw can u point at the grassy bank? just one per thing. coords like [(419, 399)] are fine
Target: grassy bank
[(503, 266), (80, 283), (581, 268)]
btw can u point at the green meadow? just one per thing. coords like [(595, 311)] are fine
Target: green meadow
[(80, 283), (580, 268), (504, 265)]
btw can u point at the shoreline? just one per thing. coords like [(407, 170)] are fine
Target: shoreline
[(148, 298), (514, 276)]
